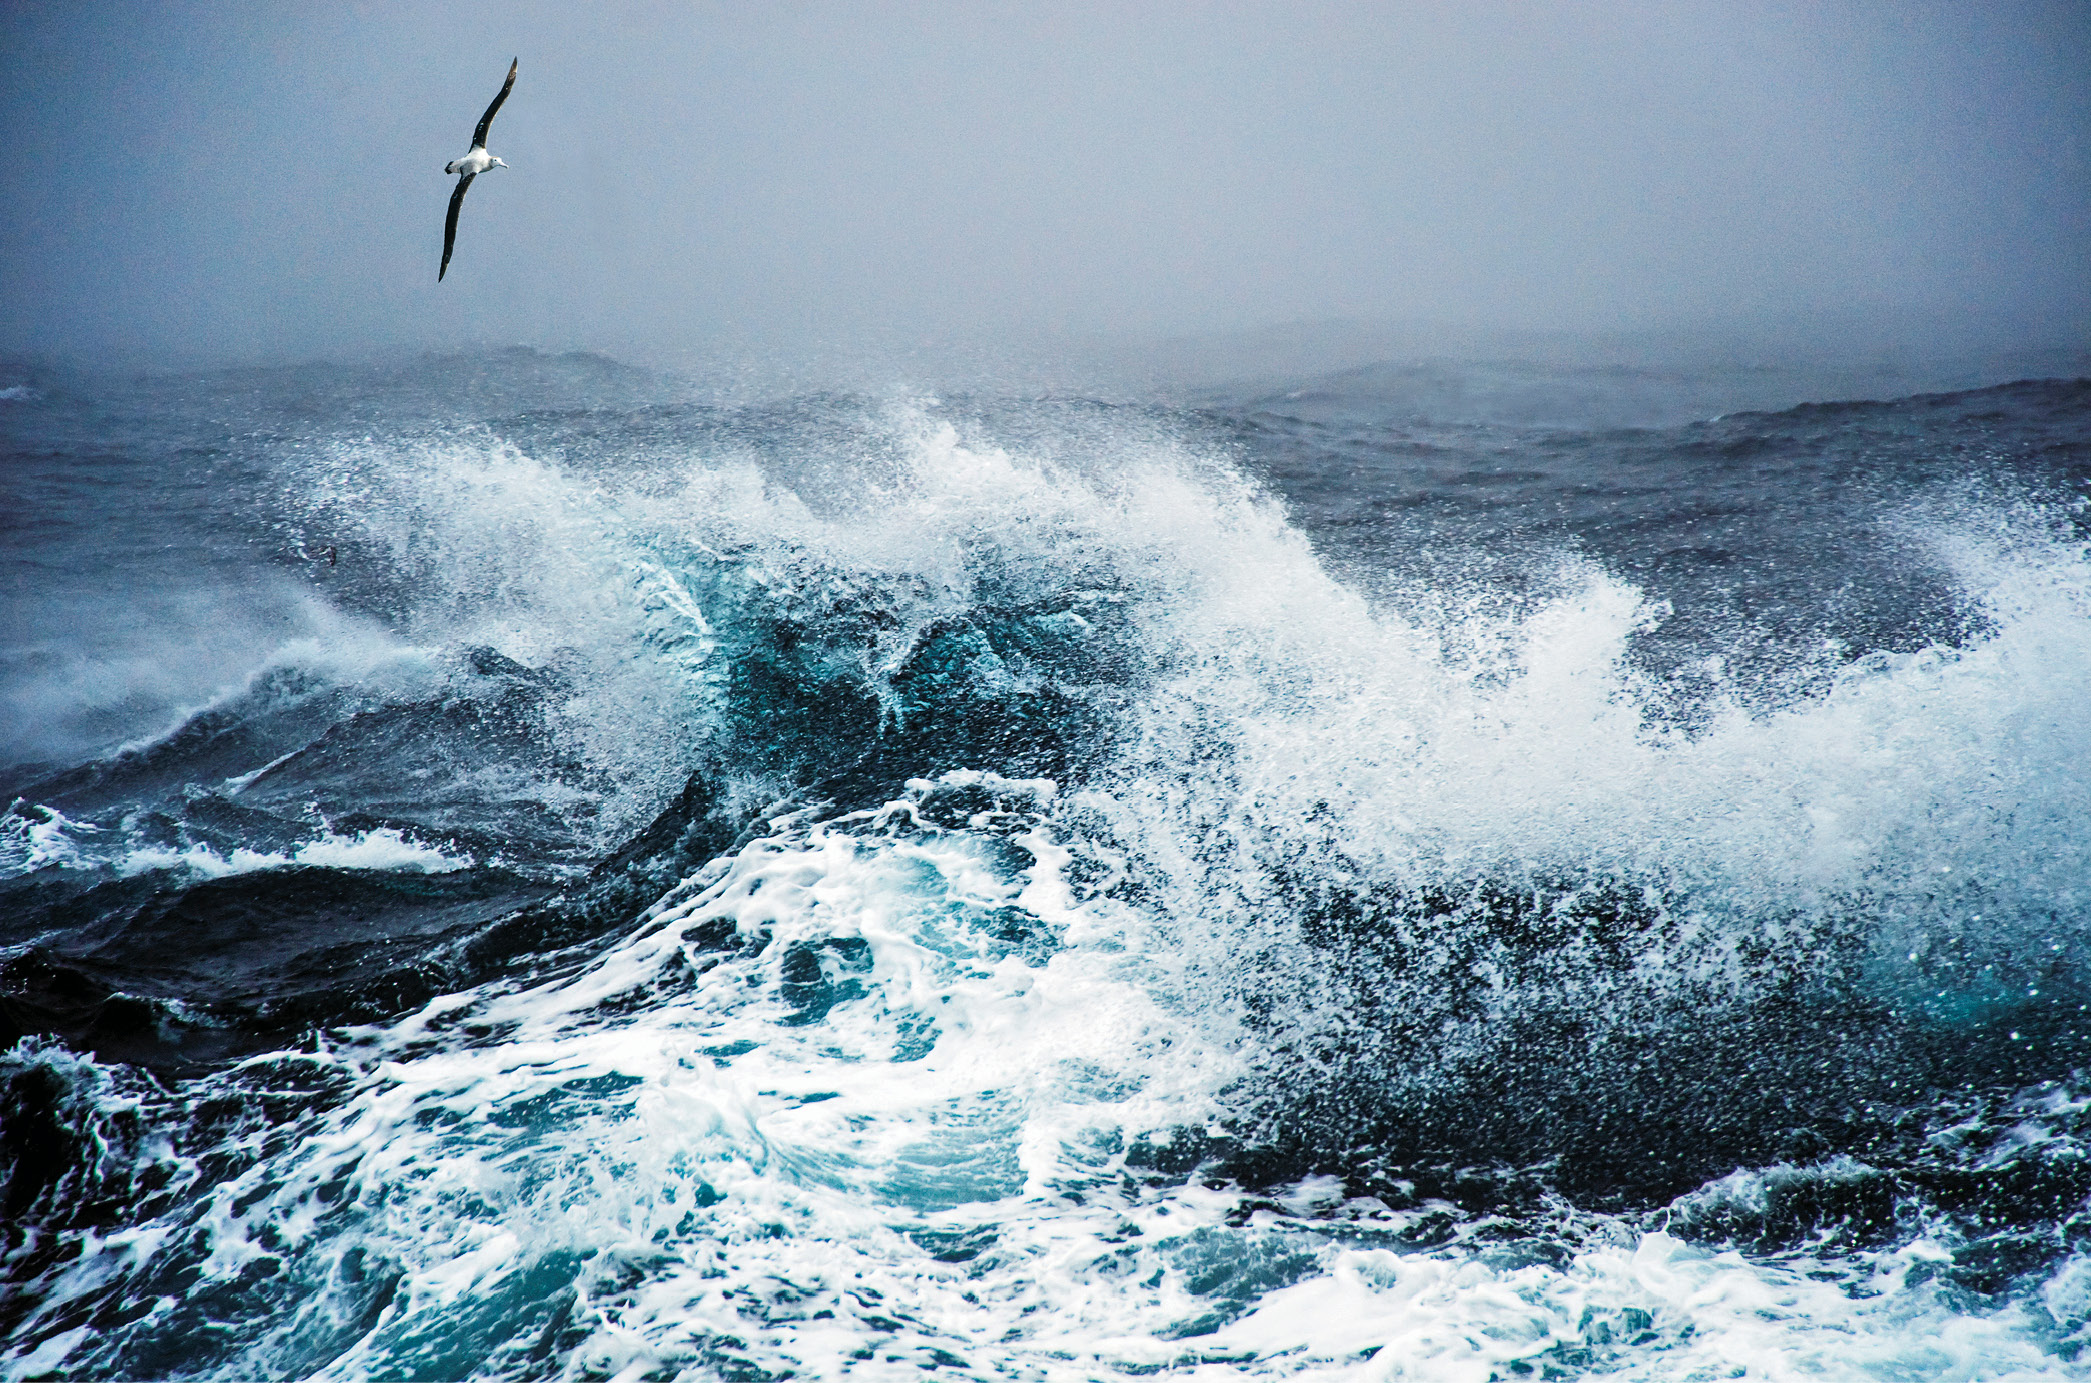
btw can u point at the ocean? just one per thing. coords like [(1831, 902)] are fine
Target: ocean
[(520, 867)]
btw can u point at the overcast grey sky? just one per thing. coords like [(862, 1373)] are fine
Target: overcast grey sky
[(264, 181)]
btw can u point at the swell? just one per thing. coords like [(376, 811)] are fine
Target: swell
[(919, 828)]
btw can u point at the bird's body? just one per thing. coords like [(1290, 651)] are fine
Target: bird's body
[(477, 161), (473, 164)]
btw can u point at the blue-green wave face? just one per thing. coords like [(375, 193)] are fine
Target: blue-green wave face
[(1048, 889)]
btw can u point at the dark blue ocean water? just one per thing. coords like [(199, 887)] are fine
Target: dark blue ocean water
[(520, 869)]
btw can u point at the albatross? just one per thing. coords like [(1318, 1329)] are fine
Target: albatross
[(470, 167)]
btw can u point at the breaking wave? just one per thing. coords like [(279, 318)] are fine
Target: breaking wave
[(894, 888)]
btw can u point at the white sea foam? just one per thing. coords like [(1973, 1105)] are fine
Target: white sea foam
[(860, 1097), (30, 844), (37, 837), (712, 1181), (380, 849)]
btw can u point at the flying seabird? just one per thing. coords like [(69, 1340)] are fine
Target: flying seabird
[(470, 167)]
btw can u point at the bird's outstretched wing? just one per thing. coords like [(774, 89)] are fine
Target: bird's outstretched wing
[(457, 199), (479, 135)]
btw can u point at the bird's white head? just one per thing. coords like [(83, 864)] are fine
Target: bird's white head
[(497, 163)]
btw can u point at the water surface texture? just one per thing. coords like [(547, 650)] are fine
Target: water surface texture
[(1444, 873)]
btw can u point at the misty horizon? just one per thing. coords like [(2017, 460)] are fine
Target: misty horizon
[(833, 180)]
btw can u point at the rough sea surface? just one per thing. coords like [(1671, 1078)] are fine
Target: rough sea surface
[(518, 871)]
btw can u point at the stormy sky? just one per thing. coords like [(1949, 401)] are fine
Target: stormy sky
[(265, 181)]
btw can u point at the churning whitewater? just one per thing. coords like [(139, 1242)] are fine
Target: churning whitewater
[(1307, 885)]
